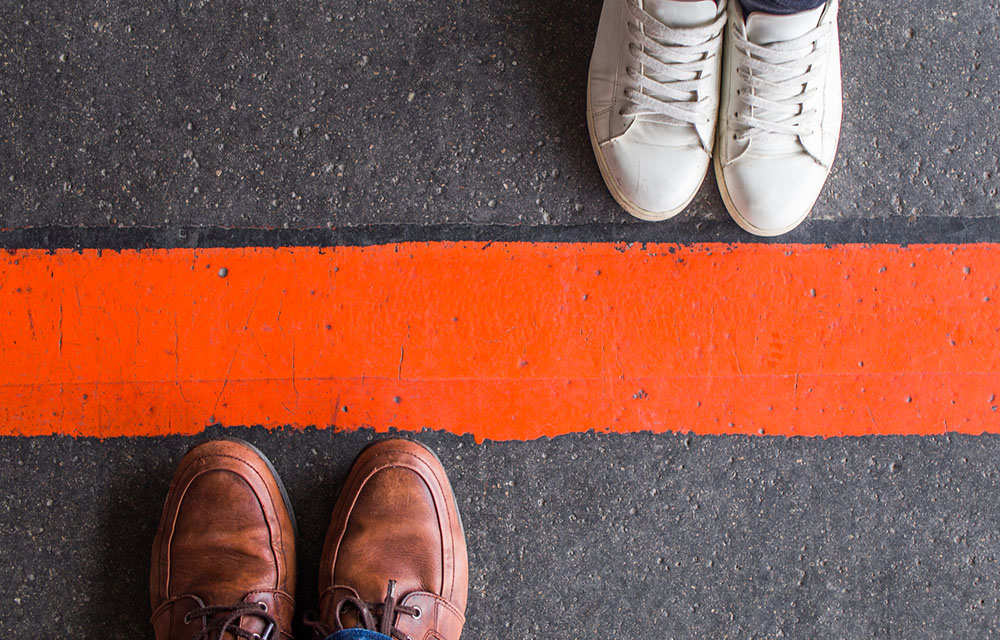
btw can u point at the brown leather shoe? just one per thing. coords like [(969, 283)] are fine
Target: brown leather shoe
[(224, 555), (394, 560)]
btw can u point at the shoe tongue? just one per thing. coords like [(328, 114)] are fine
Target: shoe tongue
[(682, 13), (766, 28)]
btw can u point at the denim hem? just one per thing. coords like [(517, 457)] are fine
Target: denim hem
[(357, 634)]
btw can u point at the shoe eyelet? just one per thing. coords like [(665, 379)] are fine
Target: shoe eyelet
[(256, 636), (263, 606), (187, 618), (416, 616)]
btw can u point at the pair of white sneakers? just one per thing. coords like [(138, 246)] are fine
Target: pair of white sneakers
[(662, 94)]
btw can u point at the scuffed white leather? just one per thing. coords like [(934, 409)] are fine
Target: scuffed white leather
[(652, 168), (773, 184), (657, 178), (772, 193)]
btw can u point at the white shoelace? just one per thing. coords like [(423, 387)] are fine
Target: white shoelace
[(679, 58), (779, 97)]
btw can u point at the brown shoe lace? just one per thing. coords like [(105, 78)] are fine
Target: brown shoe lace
[(386, 610), (219, 620)]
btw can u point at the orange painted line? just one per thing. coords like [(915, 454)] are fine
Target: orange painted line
[(504, 341)]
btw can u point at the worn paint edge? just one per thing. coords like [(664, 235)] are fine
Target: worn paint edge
[(944, 380)]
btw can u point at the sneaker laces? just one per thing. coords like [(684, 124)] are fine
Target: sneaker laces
[(386, 611), (674, 84), (220, 620), (778, 97)]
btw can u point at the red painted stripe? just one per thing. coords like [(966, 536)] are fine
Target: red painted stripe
[(504, 341)]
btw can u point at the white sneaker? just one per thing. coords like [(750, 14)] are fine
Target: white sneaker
[(779, 121), (652, 100)]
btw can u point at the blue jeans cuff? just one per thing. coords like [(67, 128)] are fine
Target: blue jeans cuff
[(357, 634)]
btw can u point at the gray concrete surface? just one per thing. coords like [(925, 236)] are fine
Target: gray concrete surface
[(587, 537), (232, 113)]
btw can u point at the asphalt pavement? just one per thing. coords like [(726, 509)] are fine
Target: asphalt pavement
[(583, 536), (307, 114), (197, 123)]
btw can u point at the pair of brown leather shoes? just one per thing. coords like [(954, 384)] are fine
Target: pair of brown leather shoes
[(394, 560)]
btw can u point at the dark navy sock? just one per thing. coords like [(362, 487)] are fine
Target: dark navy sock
[(779, 6)]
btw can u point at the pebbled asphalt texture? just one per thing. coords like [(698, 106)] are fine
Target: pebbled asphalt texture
[(322, 122), (345, 113), (640, 537)]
